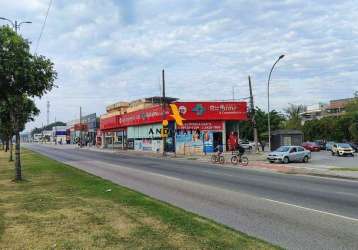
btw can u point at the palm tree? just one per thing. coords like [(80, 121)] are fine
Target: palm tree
[(293, 114)]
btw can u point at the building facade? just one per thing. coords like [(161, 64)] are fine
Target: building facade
[(84, 128), (317, 111), (205, 125)]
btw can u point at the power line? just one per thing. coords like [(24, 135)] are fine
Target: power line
[(43, 26)]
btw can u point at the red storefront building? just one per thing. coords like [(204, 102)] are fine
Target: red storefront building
[(205, 125)]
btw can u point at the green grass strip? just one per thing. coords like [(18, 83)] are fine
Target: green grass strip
[(60, 206)]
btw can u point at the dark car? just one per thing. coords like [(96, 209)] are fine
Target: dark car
[(311, 146), (354, 146), (321, 144)]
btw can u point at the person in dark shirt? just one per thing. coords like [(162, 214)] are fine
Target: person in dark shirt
[(219, 149)]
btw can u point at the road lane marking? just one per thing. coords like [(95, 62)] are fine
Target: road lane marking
[(311, 209)]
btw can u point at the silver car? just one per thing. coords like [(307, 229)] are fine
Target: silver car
[(288, 154)]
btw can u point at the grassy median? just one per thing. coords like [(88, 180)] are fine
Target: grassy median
[(60, 207)]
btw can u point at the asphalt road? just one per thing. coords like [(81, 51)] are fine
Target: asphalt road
[(295, 212)]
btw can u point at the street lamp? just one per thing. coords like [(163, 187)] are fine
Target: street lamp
[(15, 24), (268, 101)]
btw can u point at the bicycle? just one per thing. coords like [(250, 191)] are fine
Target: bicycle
[(240, 159), (215, 158)]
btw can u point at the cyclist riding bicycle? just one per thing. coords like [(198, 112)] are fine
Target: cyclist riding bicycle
[(240, 149), (219, 150)]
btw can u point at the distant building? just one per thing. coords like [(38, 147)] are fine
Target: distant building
[(320, 110), (313, 112), (286, 137), (137, 125), (85, 128), (25, 137), (337, 107), (59, 134)]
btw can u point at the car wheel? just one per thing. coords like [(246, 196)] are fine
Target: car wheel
[(332, 153), (250, 148), (305, 159), (352, 154), (272, 161), (285, 160)]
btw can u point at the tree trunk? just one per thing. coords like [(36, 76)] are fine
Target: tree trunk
[(18, 175), (6, 145), (11, 147), (2, 145)]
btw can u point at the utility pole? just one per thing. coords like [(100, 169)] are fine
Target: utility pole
[(55, 132), (80, 127), (163, 108), (252, 113), (42, 133), (48, 113)]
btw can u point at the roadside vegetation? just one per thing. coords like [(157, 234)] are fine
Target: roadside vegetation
[(344, 127), (60, 207), (23, 76)]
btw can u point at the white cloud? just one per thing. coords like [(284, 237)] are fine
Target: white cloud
[(106, 51)]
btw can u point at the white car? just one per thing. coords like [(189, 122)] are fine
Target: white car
[(341, 149), (248, 145), (288, 154)]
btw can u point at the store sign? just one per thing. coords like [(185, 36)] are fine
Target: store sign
[(203, 126), (81, 127), (183, 111), (193, 111)]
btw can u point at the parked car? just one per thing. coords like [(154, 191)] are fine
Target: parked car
[(311, 146), (342, 149), (288, 154), (329, 145), (248, 144), (354, 146), (321, 144)]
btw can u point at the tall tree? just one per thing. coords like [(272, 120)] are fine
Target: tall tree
[(276, 119), (293, 114), (6, 128), (22, 75)]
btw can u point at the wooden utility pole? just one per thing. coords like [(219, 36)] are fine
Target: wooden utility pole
[(163, 108), (80, 127), (252, 114)]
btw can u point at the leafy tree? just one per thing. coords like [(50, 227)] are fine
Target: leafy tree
[(353, 128), (276, 122), (6, 128), (293, 114), (22, 75), (352, 107)]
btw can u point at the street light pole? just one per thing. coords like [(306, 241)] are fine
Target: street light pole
[(268, 101), (15, 25)]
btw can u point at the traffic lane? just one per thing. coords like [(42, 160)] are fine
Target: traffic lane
[(336, 196), (290, 227), (188, 167)]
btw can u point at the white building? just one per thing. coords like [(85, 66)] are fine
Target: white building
[(313, 112), (59, 134)]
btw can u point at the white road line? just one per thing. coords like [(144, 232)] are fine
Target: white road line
[(311, 209)]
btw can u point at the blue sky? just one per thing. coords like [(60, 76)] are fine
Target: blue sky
[(105, 51)]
